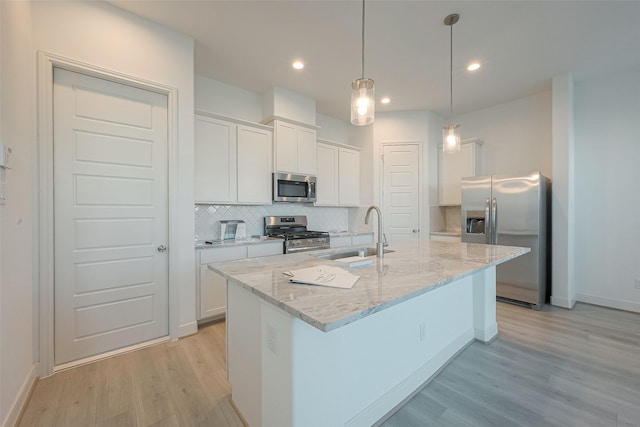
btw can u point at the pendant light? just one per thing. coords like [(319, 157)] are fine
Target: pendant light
[(362, 92), (451, 131)]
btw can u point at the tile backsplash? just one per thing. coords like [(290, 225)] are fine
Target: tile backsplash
[(207, 218)]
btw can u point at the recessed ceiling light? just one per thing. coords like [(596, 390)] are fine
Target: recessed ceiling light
[(473, 66), (298, 65), (385, 100)]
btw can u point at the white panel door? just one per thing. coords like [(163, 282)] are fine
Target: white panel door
[(401, 188), (110, 216)]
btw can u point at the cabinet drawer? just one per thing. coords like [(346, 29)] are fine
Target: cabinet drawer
[(222, 254), (265, 249)]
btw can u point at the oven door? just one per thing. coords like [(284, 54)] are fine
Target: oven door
[(294, 188), (291, 249)]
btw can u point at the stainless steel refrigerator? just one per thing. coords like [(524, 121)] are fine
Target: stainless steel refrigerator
[(513, 211)]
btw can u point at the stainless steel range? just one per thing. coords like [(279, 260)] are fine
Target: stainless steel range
[(293, 229)]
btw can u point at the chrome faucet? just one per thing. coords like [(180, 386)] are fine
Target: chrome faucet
[(380, 244)]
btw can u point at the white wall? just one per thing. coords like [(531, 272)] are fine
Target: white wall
[(516, 135), (410, 126), (231, 101), (607, 199), (107, 37), (17, 220), (333, 129)]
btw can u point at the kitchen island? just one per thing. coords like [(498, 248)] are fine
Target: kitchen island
[(301, 355)]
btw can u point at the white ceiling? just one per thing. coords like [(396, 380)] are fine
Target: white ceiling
[(521, 45)]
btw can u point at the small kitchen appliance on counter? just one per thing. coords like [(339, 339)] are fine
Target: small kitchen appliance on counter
[(233, 229), (293, 229)]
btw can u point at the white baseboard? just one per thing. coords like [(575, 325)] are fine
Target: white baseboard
[(563, 302), (487, 335), (187, 329), (390, 400), (608, 302), (21, 399)]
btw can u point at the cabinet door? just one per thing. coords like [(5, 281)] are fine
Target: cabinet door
[(215, 160), (307, 143), (327, 173), (213, 293), (286, 147), (254, 165), (452, 168), (349, 177)]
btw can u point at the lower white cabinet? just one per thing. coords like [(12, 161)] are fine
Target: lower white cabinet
[(212, 287)]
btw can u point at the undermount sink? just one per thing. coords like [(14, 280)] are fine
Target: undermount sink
[(352, 252)]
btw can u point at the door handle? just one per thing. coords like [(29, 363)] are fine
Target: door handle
[(162, 248)]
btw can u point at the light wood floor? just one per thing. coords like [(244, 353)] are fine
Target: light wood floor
[(180, 383), (550, 368)]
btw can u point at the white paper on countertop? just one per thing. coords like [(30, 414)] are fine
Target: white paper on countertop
[(323, 275)]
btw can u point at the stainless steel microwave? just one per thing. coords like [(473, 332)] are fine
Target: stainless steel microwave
[(294, 188)]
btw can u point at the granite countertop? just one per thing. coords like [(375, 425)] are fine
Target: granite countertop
[(416, 267), (200, 244)]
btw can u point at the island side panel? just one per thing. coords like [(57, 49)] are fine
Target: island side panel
[(244, 363), (354, 375), (484, 305)]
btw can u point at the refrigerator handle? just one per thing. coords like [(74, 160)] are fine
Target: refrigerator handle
[(494, 221), (487, 222)]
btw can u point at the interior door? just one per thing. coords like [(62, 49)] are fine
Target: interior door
[(110, 215), (401, 207)]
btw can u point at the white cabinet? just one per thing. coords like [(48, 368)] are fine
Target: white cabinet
[(215, 160), (294, 147), (348, 177), (212, 287), (254, 166), (452, 167), (338, 175), (233, 161), (327, 189)]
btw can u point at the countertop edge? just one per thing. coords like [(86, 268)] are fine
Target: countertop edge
[(342, 321)]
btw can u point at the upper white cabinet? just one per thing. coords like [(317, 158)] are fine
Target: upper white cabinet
[(338, 175), (294, 147), (233, 161), (452, 167)]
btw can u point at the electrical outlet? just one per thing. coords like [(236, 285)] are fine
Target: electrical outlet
[(423, 331), (272, 339), (637, 282)]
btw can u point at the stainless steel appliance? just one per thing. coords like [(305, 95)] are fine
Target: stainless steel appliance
[(293, 229), (513, 211), (294, 188)]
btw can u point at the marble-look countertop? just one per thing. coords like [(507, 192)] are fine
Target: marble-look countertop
[(200, 244), (416, 267), (446, 233)]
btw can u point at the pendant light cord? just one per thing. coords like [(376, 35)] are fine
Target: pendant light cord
[(363, 39), (451, 73)]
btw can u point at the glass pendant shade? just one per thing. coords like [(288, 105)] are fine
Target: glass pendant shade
[(362, 102), (451, 138)]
